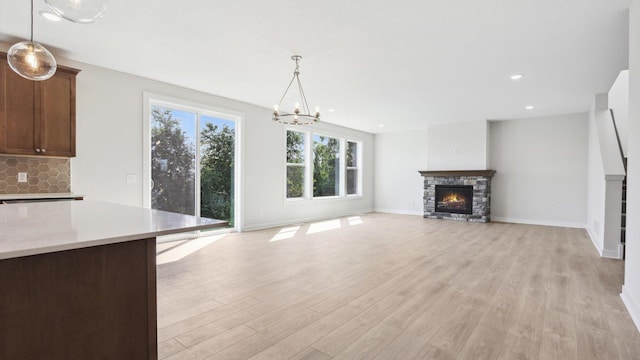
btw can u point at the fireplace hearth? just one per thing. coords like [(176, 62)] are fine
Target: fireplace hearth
[(462, 195)]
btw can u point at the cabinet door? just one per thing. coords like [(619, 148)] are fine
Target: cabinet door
[(17, 120), (56, 117)]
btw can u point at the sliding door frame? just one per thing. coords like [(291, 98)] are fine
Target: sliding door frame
[(152, 99)]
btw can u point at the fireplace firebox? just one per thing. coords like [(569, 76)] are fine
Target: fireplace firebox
[(457, 199)]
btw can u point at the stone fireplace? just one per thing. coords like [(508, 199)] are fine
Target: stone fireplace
[(462, 195)]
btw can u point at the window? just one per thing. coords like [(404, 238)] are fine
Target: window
[(321, 166), (296, 164), (326, 166), (191, 157), (353, 172)]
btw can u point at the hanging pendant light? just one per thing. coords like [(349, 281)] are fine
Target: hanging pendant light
[(79, 11), (298, 116), (31, 60)]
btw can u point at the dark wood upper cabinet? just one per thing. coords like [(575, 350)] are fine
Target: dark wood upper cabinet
[(37, 117)]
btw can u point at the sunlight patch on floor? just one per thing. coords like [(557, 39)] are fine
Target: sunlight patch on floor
[(323, 226), (285, 233), (355, 220), (174, 251)]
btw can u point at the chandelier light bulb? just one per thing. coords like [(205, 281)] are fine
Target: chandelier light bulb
[(31, 61), (79, 11)]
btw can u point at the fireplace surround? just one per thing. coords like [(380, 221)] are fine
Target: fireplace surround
[(447, 194)]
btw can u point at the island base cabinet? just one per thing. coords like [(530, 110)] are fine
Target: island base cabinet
[(91, 303)]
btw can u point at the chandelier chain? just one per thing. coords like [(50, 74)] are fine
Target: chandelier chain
[(31, 38)]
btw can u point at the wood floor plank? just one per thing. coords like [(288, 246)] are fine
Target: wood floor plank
[(553, 346), (214, 345), (264, 339), (454, 334), (370, 343), (383, 286), (310, 354), (169, 347), (485, 343), (305, 337)]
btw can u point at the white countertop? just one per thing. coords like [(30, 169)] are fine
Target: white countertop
[(39, 196), (43, 227)]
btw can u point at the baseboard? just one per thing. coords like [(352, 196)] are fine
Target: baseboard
[(595, 242), (539, 222), (632, 306), (268, 225), (613, 254), (401, 212)]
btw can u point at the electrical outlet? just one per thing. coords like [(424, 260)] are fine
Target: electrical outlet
[(22, 177)]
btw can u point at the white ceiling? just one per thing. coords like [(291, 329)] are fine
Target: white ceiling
[(404, 64)]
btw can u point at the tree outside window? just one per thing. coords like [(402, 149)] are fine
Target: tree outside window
[(326, 166), (296, 164), (172, 164), (352, 168)]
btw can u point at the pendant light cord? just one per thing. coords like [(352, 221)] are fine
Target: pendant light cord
[(31, 20)]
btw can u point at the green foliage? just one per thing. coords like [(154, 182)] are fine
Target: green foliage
[(295, 181), (352, 154), (326, 164), (172, 165), (295, 147), (295, 155), (217, 172), (352, 162)]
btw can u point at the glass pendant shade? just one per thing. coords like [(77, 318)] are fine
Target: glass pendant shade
[(31, 61), (79, 11)]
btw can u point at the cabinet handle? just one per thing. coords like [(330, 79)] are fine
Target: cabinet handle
[(37, 150), (44, 150)]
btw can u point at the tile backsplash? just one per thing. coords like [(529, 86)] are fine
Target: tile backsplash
[(44, 175)]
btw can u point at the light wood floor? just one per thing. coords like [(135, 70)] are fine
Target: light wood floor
[(380, 286)]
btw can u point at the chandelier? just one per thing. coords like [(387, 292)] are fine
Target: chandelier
[(298, 116)]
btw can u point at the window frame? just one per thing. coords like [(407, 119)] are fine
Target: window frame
[(309, 160), (305, 165), (339, 192), (358, 167)]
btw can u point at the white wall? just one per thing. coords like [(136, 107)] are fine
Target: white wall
[(541, 169), (398, 185), (631, 288), (457, 146), (619, 102), (109, 116)]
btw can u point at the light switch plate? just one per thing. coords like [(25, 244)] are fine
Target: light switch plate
[(131, 178), (22, 177)]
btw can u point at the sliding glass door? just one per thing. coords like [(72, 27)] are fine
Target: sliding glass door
[(192, 161), (173, 160)]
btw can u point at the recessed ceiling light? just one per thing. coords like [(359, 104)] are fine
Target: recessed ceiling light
[(380, 125), (50, 16), (331, 110), (516, 76), (529, 107)]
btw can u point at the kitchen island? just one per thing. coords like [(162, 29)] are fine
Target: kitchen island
[(78, 278)]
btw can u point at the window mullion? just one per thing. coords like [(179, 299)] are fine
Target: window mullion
[(308, 171)]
